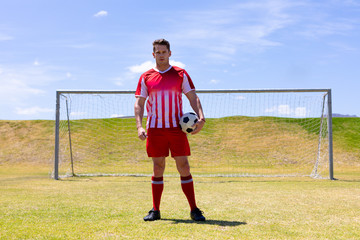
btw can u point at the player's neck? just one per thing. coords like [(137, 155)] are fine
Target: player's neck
[(162, 67)]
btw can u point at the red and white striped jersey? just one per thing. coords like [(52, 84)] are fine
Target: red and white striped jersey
[(164, 92)]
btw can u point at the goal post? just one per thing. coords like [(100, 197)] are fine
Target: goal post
[(331, 160), (264, 132)]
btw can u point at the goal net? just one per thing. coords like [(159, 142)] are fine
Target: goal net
[(247, 133)]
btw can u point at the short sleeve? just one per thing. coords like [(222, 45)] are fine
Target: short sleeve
[(187, 84), (141, 90)]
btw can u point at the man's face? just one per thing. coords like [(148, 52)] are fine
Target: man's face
[(161, 55)]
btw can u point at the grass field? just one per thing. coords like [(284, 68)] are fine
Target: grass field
[(33, 206)]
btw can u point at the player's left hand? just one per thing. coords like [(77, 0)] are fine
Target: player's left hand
[(198, 126)]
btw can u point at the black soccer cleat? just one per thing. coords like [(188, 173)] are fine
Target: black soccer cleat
[(152, 216), (197, 215)]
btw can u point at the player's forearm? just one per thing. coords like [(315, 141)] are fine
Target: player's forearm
[(139, 114), (196, 106)]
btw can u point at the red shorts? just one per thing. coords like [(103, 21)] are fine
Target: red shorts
[(161, 140)]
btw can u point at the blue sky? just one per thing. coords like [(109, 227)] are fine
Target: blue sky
[(106, 45)]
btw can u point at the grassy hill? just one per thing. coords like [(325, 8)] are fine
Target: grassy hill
[(26, 141), (346, 133), (32, 142)]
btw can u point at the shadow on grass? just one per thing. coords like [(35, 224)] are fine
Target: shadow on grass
[(208, 222)]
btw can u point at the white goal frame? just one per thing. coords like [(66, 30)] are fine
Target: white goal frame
[(327, 94)]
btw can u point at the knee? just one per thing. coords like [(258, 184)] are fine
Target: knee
[(159, 169), (184, 168)]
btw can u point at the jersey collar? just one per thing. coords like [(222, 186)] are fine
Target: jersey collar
[(163, 71)]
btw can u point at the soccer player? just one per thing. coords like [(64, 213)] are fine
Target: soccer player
[(163, 86)]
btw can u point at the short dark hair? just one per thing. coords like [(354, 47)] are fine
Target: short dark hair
[(161, 41)]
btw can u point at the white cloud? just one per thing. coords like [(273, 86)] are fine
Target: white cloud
[(286, 110), (343, 46), (4, 37), (352, 3), (143, 67), (34, 74), (300, 112), (214, 81), (281, 109), (178, 64), (254, 26), (101, 14), (33, 110), (14, 89), (246, 26), (240, 97), (321, 29), (119, 81), (23, 85)]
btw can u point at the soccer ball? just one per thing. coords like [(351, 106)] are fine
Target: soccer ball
[(187, 120)]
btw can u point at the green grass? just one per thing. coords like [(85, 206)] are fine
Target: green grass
[(19, 140), (347, 133), (32, 206), (118, 150)]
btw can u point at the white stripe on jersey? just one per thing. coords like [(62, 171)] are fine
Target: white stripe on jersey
[(173, 109), (153, 111), (159, 109), (167, 108)]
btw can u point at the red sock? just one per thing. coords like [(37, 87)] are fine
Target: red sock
[(157, 186), (187, 186)]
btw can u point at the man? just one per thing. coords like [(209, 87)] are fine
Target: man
[(164, 86)]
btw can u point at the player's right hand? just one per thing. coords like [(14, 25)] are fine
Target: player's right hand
[(198, 126), (142, 133)]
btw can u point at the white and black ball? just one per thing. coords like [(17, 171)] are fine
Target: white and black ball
[(186, 122)]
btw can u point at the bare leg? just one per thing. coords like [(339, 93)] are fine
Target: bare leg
[(182, 165), (158, 166)]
